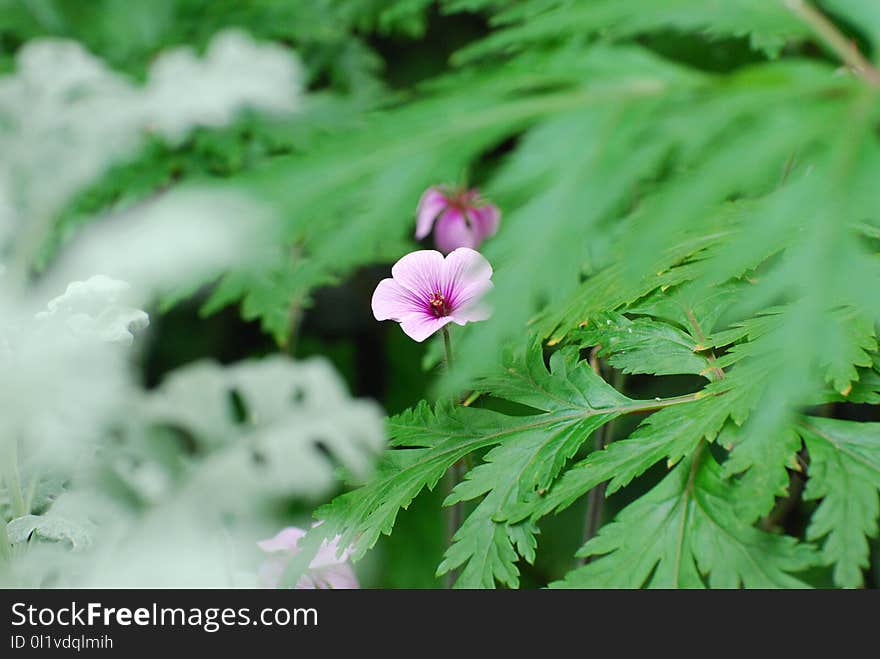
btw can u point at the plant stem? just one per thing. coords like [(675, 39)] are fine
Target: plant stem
[(845, 49), (596, 496), (784, 507), (454, 513), (471, 398), (447, 343), (701, 337), (638, 406)]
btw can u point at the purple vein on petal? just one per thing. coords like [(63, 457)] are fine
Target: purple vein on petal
[(391, 301), (419, 272)]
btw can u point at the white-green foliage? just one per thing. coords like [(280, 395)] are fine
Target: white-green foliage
[(95, 465), (98, 479), (123, 489), (273, 427), (66, 116)]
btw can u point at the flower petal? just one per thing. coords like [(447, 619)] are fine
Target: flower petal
[(452, 232), (465, 275), (337, 577), (285, 540), (306, 582), (430, 206), (419, 272), (270, 572), (391, 301), (327, 554), (419, 326), (485, 221), (473, 308)]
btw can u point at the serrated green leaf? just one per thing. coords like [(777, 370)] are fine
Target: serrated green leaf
[(864, 390), (643, 345), (844, 474), (850, 338), (669, 434), (768, 24), (270, 294), (689, 536), (691, 306), (764, 459), (529, 451)]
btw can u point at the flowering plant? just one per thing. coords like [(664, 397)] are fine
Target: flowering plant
[(638, 348), (427, 292)]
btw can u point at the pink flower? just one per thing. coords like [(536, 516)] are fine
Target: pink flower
[(325, 571), (427, 292), (459, 218)]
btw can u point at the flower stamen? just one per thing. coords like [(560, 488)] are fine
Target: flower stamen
[(439, 305)]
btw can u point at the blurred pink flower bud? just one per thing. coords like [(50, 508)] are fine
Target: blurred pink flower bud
[(459, 218)]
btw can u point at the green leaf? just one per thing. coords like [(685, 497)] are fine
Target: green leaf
[(669, 434), (768, 24), (450, 434), (270, 294), (850, 338), (689, 536), (525, 462), (763, 460), (529, 452), (490, 550), (690, 306), (845, 477), (643, 345), (864, 390)]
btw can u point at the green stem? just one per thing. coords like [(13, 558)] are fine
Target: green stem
[(471, 398), (454, 513), (844, 48), (447, 343), (638, 406), (596, 496), (701, 337)]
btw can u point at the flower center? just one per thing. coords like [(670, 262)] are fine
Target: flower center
[(439, 304)]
